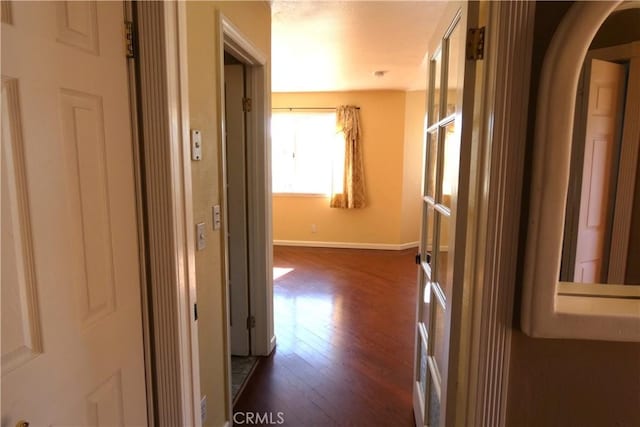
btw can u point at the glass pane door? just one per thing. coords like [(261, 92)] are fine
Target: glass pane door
[(439, 216)]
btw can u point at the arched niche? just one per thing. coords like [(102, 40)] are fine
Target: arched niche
[(551, 308)]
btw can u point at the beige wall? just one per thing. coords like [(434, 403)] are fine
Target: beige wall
[(619, 28), (254, 21), (415, 111), (561, 382), (388, 158)]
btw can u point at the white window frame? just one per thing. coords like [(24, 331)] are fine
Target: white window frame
[(332, 172)]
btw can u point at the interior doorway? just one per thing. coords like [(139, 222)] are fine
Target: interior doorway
[(256, 105), (236, 206), (604, 163), (237, 105)]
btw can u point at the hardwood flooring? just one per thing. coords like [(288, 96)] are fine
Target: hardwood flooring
[(344, 322)]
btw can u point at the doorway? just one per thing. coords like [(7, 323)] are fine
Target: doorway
[(237, 106), (600, 212), (243, 105)]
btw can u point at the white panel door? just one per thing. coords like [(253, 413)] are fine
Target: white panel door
[(234, 83), (603, 112), (72, 349), (440, 277)]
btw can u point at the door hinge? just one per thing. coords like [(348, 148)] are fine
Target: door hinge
[(418, 259), (246, 105), (475, 44), (251, 322), (195, 311), (130, 39)]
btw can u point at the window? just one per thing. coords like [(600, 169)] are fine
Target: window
[(307, 153)]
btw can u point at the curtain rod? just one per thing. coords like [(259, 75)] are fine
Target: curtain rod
[(307, 108)]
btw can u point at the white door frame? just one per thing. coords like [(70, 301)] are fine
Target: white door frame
[(258, 151), (258, 142), (166, 200), (140, 216), (497, 162)]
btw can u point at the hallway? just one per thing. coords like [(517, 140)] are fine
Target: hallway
[(344, 322)]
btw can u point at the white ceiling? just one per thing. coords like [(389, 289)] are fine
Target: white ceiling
[(338, 45)]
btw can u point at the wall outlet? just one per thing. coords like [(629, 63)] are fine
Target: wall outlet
[(314, 228), (203, 408)]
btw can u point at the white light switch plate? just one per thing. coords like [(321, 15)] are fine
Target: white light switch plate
[(217, 220), (203, 408), (201, 242), (196, 144)]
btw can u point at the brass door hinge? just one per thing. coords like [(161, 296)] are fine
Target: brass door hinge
[(251, 322), (246, 105), (475, 44), (129, 39)]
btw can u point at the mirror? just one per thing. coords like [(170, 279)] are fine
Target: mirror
[(563, 295), (601, 206)]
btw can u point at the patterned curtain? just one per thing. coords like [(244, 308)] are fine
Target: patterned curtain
[(353, 191)]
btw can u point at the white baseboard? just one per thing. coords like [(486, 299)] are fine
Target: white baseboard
[(272, 344), (347, 245)]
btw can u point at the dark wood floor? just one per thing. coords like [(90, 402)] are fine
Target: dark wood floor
[(344, 323)]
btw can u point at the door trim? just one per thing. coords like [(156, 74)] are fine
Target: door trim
[(169, 234), (138, 170), (498, 162), (258, 180), (258, 152)]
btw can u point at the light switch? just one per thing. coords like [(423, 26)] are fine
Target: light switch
[(196, 144), (217, 221), (203, 409), (201, 242)]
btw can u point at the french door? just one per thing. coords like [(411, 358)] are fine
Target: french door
[(440, 277)]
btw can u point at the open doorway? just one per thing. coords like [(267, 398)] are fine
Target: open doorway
[(237, 105), (246, 209), (600, 211)]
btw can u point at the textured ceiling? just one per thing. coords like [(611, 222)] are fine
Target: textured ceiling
[(338, 45)]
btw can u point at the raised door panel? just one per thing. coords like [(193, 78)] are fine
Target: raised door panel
[(84, 144), (21, 339), (78, 25), (104, 404), (79, 180)]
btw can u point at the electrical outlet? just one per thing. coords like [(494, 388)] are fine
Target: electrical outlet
[(314, 228), (203, 408)]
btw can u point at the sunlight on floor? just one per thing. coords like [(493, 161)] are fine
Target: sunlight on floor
[(280, 271)]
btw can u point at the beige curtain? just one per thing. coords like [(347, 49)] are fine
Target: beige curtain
[(353, 193)]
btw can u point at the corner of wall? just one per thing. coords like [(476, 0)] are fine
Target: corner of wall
[(415, 109)]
